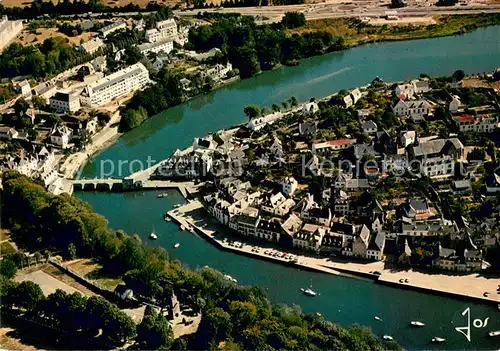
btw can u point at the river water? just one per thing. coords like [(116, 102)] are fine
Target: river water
[(342, 299)]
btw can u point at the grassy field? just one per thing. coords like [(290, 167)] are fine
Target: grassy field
[(6, 248), (355, 32)]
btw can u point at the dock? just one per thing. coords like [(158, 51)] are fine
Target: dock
[(181, 216), (466, 287)]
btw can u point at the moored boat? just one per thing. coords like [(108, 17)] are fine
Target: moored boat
[(416, 324), (183, 228), (176, 245), (153, 236), (437, 339), (377, 318), (494, 333), (308, 292), (387, 337)]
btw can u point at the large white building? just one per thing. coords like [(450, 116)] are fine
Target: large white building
[(8, 31), (164, 45), (105, 31), (164, 30), (115, 85), (469, 123)]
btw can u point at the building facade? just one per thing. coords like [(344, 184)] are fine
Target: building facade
[(64, 102), (115, 85)]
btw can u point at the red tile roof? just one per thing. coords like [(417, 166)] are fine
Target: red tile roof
[(341, 142), (465, 119)]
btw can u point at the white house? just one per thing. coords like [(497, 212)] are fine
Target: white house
[(261, 122), (99, 64), (408, 90), (332, 145), (407, 137), (310, 108), (24, 89), (369, 127), (218, 71), (355, 95), (61, 136), (415, 109), (405, 91), (115, 85), (64, 102), (164, 45), (309, 237), (455, 104), (8, 133), (347, 101), (289, 186), (92, 45)]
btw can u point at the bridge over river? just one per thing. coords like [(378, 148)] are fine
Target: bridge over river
[(130, 184)]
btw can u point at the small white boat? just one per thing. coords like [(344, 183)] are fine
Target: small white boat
[(416, 324), (494, 333), (176, 245), (167, 219), (498, 306), (183, 228), (387, 337), (308, 292), (377, 318), (437, 339), (162, 195), (153, 236)]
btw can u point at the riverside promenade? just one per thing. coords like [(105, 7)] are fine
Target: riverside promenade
[(470, 286)]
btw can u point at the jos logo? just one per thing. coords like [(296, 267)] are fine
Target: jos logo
[(477, 323)]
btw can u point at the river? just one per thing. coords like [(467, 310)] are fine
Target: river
[(342, 299)]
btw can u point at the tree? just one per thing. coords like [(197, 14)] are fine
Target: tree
[(251, 111), (8, 268), (293, 101), (154, 332), (293, 19), (38, 101), (72, 251), (275, 108), (458, 75), (28, 295), (446, 2), (398, 3), (440, 113), (21, 106)]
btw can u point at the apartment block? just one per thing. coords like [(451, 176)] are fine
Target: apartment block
[(116, 85)]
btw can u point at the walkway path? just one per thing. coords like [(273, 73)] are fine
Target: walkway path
[(468, 286)]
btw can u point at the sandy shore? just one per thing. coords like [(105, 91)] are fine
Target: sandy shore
[(470, 286)]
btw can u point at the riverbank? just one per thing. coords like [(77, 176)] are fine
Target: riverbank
[(467, 287), (356, 33)]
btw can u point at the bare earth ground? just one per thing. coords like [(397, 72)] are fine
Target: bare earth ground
[(26, 37), (9, 340), (480, 83), (85, 266), (47, 283)]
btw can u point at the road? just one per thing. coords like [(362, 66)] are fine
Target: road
[(336, 8)]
